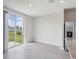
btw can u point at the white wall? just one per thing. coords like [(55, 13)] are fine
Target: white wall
[(49, 29), (27, 29)]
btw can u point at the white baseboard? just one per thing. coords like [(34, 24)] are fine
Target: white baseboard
[(51, 44)]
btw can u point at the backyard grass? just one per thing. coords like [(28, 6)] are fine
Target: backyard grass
[(19, 37)]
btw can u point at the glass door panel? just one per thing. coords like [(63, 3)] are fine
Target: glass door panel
[(11, 31), (19, 27)]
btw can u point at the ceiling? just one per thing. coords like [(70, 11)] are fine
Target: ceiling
[(39, 7)]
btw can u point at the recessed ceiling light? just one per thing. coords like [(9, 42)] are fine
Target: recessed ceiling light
[(61, 1), (29, 5)]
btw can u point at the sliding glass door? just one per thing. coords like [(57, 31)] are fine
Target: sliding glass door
[(15, 30)]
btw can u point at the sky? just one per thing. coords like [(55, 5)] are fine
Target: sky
[(13, 19)]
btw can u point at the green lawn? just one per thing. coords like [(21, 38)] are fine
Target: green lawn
[(19, 37)]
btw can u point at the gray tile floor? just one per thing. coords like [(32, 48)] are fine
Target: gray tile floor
[(36, 51), (12, 44)]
